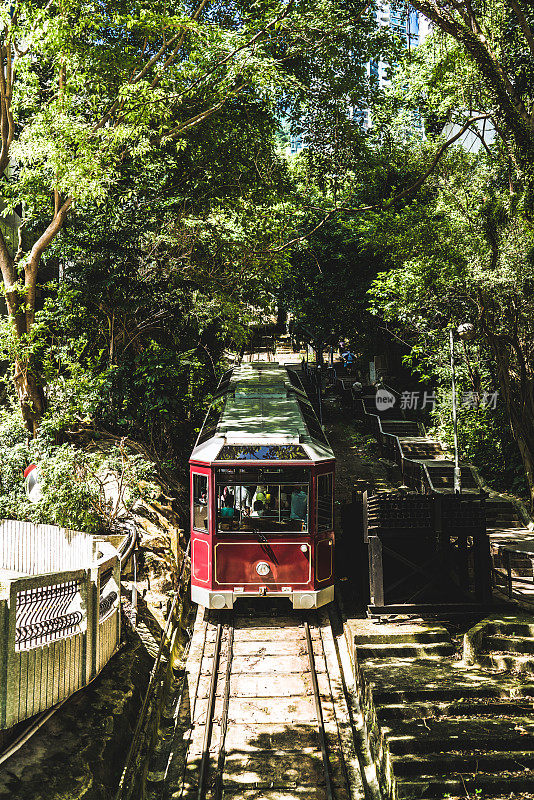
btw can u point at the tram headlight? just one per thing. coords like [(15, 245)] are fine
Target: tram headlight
[(263, 568)]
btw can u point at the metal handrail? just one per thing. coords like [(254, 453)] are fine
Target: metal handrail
[(127, 547), (419, 464)]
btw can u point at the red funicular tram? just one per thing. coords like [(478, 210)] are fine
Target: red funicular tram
[(262, 494)]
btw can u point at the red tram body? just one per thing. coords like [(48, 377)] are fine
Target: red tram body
[(262, 494)]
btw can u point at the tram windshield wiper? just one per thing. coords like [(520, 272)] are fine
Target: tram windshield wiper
[(265, 546)]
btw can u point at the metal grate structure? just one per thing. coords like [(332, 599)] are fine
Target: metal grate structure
[(59, 615), (426, 549), (47, 613)]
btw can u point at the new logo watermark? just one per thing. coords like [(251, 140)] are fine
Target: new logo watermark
[(412, 401), (384, 399)]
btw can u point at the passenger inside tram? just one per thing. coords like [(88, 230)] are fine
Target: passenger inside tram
[(266, 507)]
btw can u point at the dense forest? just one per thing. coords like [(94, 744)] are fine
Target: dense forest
[(152, 212)]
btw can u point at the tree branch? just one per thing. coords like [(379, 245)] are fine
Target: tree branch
[(383, 206), (478, 47), (444, 147), (228, 57), (527, 30), (203, 115), (53, 229), (170, 60), (178, 38)]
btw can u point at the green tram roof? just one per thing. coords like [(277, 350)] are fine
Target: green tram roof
[(261, 413)]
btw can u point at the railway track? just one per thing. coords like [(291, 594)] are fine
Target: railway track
[(264, 712)]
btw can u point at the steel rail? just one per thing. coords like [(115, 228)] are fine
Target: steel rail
[(319, 713), (218, 790), (204, 764)]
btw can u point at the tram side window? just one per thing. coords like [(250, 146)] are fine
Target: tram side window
[(325, 502), (200, 502)]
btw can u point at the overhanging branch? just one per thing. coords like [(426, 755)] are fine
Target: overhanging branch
[(384, 206)]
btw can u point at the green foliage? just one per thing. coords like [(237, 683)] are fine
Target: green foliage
[(15, 457), (484, 438), (462, 255), (179, 235), (325, 289), (79, 488), (69, 498)]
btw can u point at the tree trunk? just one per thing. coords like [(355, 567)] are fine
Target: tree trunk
[(30, 395), (21, 309), (524, 439), (517, 393)]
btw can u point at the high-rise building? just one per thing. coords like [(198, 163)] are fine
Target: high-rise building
[(405, 22), (412, 28)]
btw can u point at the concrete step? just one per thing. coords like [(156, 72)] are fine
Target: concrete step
[(445, 764), (383, 696), (506, 525), (503, 734), (508, 662), (416, 447), (520, 563), (504, 521), (507, 509), (421, 453), (390, 414), (455, 708), (501, 506), (442, 476), (487, 786), (514, 627), (502, 642), (382, 633), (405, 650), (402, 428)]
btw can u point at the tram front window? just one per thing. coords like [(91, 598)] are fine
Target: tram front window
[(253, 501)]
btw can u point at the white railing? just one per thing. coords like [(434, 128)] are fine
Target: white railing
[(59, 615)]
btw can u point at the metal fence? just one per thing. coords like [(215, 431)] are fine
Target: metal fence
[(59, 615)]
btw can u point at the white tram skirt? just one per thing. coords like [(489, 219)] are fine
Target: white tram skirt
[(221, 599)]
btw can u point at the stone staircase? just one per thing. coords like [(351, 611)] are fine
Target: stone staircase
[(441, 475), (417, 448), (403, 642), (502, 514), (391, 414), (402, 427), (439, 727), (421, 447), (504, 644)]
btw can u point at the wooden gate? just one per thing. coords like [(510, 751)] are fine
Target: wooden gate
[(426, 550)]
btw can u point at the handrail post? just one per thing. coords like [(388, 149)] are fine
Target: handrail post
[(457, 472), (92, 622), (509, 580), (4, 634)]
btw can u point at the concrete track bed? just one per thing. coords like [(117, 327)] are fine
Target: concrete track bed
[(264, 735)]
